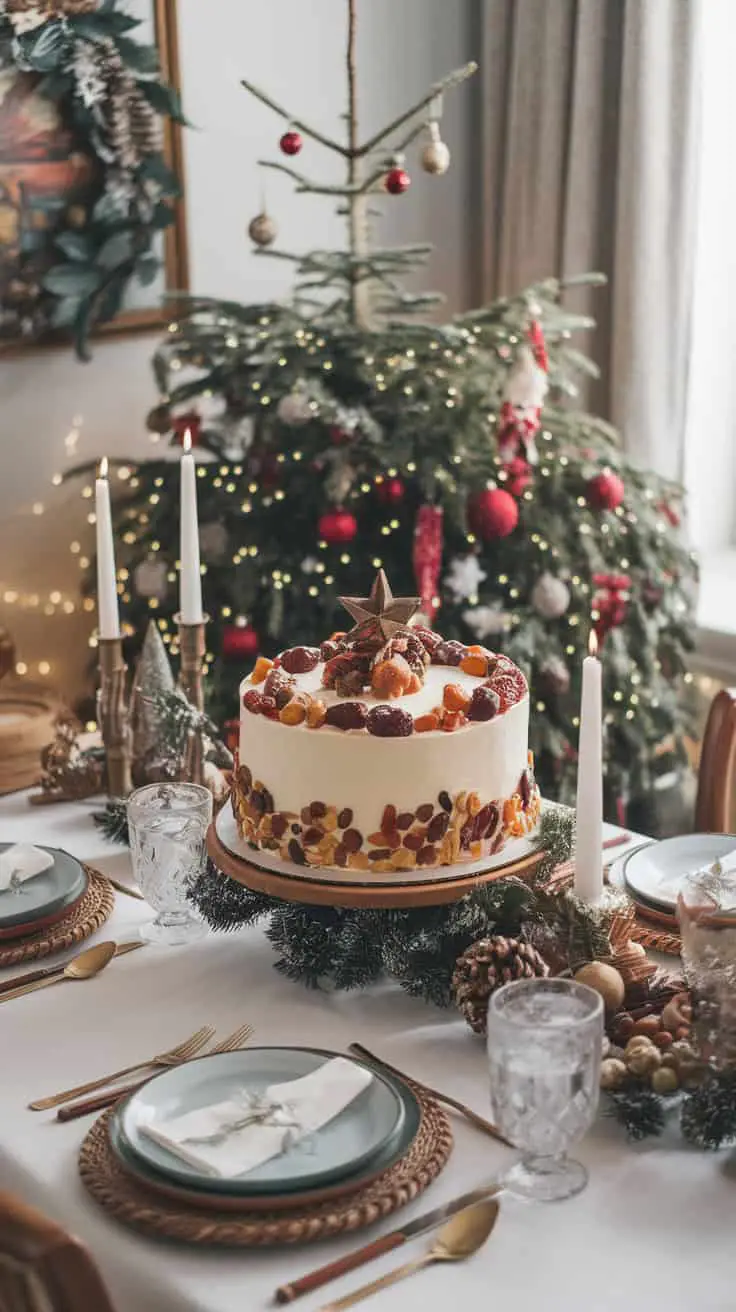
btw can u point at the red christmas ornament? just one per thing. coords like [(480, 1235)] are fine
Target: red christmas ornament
[(390, 492), (339, 436), (190, 423), (610, 600), (492, 513), (337, 527), (605, 491), (670, 513), (291, 143), (427, 557), (518, 476), (538, 344), (397, 181), (240, 642)]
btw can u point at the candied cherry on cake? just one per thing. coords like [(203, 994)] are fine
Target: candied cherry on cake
[(252, 701), (300, 660), (347, 715), (269, 707), (449, 653), (389, 722), (484, 704), (277, 681)]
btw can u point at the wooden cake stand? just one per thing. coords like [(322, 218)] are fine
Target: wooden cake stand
[(264, 873)]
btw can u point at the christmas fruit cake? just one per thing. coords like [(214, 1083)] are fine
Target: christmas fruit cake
[(385, 749)]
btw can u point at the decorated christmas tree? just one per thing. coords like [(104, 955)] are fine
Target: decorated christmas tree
[(342, 431)]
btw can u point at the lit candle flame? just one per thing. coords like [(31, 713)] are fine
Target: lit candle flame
[(593, 643), (103, 468), (187, 443)]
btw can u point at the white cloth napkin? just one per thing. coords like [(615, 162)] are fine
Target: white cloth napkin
[(22, 862), (311, 1101)]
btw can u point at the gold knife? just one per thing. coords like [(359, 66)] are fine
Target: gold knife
[(9, 986)]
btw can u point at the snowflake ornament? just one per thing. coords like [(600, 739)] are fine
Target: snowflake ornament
[(487, 620), (464, 577)]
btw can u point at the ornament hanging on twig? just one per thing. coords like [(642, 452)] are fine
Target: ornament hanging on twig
[(435, 157), (263, 229)]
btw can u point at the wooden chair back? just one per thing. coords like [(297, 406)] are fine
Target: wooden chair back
[(714, 800), (42, 1268)]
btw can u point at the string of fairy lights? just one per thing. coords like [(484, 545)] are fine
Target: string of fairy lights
[(228, 478)]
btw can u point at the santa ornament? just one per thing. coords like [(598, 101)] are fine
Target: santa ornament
[(524, 393)]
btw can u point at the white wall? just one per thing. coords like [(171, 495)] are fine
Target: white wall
[(295, 49)]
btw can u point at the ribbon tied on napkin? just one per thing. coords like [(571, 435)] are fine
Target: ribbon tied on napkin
[(22, 862), (233, 1137)]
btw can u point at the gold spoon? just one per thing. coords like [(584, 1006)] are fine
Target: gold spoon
[(462, 1236), (84, 966)]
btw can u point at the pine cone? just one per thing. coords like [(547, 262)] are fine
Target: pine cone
[(145, 125), (484, 967)]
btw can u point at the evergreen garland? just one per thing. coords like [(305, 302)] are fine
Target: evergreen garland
[(708, 1117), (640, 1111)]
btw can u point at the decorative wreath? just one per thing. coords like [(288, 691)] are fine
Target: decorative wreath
[(73, 261)]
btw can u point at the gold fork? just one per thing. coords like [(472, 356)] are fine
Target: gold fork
[(189, 1048), (74, 1110)]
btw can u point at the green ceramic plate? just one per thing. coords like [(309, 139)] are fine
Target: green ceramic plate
[(374, 1121), (45, 893)]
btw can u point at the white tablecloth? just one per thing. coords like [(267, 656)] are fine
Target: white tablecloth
[(654, 1229)]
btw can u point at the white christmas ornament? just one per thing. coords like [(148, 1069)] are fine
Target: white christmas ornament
[(487, 620), (526, 384), (149, 578), (295, 408), (435, 157), (550, 596), (463, 577)]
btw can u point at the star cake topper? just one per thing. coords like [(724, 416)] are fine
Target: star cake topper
[(381, 613)]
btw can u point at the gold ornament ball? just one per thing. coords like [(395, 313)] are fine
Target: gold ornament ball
[(262, 229), (665, 1080), (604, 979), (435, 158)]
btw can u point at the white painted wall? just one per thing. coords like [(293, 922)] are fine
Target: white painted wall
[(295, 48)]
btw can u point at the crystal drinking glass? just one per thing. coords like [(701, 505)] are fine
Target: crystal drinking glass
[(544, 1050), (168, 824)]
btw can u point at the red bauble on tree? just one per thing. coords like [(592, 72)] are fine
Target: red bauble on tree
[(337, 527), (291, 143), (190, 423), (605, 491), (240, 642), (340, 436), (518, 476), (492, 513), (397, 181), (390, 492)]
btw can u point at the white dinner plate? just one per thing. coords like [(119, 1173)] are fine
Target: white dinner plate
[(372, 1121), (659, 872)]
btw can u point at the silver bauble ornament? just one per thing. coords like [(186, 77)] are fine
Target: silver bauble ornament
[(149, 578), (263, 230), (295, 408), (435, 158), (550, 596)]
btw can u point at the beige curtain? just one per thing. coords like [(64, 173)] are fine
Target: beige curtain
[(590, 151)]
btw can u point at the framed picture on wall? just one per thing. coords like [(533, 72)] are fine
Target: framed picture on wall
[(92, 223)]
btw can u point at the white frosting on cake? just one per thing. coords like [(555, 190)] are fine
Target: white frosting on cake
[(358, 770)]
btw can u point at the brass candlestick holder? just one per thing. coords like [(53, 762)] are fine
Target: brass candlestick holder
[(113, 716), (192, 647)]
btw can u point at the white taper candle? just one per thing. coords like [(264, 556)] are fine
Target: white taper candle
[(589, 808), (108, 620), (190, 579)]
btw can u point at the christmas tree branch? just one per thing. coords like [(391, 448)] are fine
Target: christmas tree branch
[(452, 80), (297, 123)]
